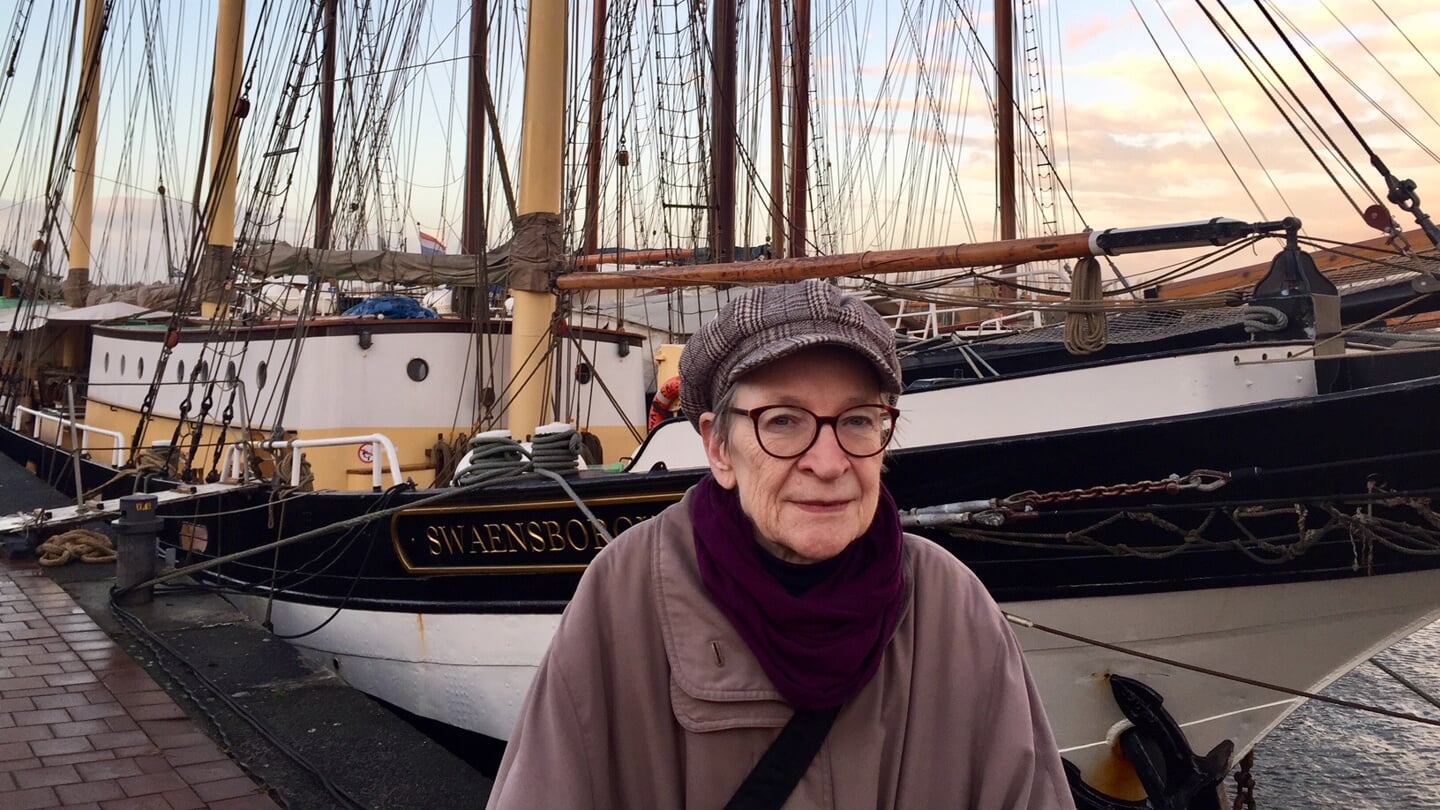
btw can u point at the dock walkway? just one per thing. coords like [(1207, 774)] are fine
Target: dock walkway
[(83, 725), (182, 705)]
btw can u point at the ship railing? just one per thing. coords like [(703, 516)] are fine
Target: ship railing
[(1060, 277), (998, 324), (932, 316), (234, 458), (41, 417)]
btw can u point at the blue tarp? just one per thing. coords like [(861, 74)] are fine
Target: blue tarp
[(391, 306)]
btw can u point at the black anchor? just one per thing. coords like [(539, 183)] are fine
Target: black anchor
[(1173, 775)]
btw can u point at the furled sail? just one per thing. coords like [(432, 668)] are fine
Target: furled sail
[(389, 266)]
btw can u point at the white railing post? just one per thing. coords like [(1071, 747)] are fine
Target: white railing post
[(118, 454), (392, 457)]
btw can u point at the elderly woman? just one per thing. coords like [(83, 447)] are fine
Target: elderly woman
[(774, 638)]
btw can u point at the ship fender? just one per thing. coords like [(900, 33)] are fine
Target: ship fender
[(1174, 776)]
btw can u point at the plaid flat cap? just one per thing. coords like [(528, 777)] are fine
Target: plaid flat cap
[(768, 323)]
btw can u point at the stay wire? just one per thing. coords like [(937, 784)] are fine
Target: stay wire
[(1424, 108), (1275, 102), (1406, 682), (1219, 97), (1299, 103), (354, 582), (1021, 621), (1401, 32), (1325, 91)]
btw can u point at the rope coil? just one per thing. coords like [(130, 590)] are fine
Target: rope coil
[(82, 544), (491, 452), (1086, 330), (556, 447), (1264, 319)]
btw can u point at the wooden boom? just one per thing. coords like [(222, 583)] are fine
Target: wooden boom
[(1113, 241), (871, 262)]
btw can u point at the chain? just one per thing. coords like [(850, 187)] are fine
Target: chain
[(226, 417), (1245, 784), (1199, 480)]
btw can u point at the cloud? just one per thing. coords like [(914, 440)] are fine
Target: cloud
[(1077, 35)]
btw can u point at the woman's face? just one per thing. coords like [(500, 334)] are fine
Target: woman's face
[(808, 508)]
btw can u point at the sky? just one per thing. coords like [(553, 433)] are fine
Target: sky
[(1128, 145)]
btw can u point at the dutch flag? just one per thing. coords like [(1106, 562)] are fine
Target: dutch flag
[(430, 245)]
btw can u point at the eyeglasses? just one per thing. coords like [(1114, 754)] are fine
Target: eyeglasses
[(788, 431)]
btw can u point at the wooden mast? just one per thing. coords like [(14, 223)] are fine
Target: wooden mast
[(226, 112), (1005, 116), (1005, 126), (541, 154), (777, 132), (590, 237), (799, 125), (325, 168), (472, 227), (77, 280), (722, 134)]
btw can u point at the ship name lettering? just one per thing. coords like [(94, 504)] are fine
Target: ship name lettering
[(524, 537)]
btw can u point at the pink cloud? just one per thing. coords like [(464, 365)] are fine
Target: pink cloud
[(1079, 34)]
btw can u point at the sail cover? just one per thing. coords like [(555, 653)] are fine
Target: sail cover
[(390, 266)]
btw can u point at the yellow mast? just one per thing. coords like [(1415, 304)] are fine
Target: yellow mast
[(77, 280), (224, 145), (537, 213)]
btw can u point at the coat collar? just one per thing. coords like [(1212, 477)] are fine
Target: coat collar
[(715, 681)]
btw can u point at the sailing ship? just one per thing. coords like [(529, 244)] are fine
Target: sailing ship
[(1220, 515)]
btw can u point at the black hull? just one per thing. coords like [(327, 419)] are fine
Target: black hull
[(520, 546)]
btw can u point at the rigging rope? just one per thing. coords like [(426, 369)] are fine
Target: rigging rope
[(1085, 323), (1021, 621)]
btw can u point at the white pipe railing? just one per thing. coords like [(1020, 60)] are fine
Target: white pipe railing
[(64, 423), (234, 461), (998, 323)]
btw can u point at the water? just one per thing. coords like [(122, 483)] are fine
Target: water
[(1326, 756)]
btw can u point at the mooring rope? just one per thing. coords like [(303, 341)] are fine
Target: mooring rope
[(556, 447), (1259, 318), (1407, 683), (158, 645), (484, 479), (82, 544), (492, 451), (1021, 621)]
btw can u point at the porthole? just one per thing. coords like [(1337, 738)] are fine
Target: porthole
[(202, 371), (122, 365), (140, 368), (180, 372), (260, 375), (106, 363), (230, 372), (418, 369)]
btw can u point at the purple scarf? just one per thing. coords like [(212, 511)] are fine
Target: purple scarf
[(819, 648)]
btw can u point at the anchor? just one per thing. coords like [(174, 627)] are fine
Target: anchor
[(1173, 775)]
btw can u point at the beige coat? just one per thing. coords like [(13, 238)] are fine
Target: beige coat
[(649, 699)]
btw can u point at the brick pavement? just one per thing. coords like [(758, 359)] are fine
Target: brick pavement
[(82, 725)]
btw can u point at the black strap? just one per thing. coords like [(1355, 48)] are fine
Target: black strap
[(782, 765)]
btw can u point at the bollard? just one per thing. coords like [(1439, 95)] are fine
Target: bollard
[(138, 527)]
